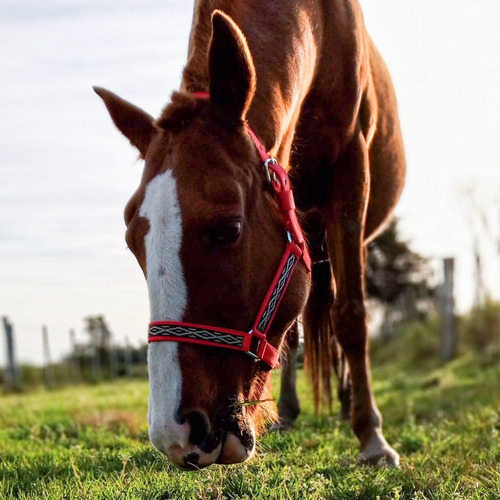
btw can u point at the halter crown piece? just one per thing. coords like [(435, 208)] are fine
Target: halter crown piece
[(254, 342)]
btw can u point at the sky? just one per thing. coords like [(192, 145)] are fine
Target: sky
[(66, 173)]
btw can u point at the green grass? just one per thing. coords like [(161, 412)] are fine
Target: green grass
[(90, 442)]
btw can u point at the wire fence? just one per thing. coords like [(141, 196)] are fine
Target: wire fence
[(86, 362), (101, 357)]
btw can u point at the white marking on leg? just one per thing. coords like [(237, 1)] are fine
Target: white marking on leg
[(376, 449), (168, 300)]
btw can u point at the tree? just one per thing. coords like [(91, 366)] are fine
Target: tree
[(482, 213), (397, 278), (98, 331)]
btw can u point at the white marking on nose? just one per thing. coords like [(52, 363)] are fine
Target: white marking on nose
[(168, 300)]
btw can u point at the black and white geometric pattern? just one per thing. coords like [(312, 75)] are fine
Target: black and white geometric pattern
[(277, 293), (192, 332)]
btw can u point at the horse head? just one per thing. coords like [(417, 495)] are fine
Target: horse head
[(208, 235)]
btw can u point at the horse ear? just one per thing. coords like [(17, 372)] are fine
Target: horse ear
[(134, 123), (230, 67)]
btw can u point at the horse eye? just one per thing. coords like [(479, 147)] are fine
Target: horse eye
[(227, 232)]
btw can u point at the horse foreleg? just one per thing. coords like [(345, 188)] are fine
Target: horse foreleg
[(288, 405), (345, 221)]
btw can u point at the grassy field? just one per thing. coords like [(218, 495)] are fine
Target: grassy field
[(90, 442)]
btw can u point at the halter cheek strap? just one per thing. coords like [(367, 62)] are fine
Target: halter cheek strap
[(254, 342)]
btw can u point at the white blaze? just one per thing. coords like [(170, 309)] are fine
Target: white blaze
[(168, 300), (167, 289)]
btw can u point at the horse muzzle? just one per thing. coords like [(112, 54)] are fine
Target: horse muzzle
[(195, 443)]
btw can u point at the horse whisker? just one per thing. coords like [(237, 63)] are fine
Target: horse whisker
[(256, 402)]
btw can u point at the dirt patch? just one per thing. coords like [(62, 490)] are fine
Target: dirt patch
[(114, 420)]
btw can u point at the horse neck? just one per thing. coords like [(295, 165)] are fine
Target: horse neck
[(284, 76)]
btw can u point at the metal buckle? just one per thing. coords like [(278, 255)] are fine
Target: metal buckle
[(250, 353), (270, 175)]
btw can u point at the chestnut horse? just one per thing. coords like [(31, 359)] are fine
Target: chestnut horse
[(206, 229)]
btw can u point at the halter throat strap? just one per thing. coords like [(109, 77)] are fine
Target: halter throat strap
[(254, 342)]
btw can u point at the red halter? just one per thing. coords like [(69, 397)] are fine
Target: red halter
[(254, 342)]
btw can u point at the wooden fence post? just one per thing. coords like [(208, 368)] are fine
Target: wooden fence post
[(113, 359), (48, 368), (128, 357), (13, 377), (96, 365), (76, 372), (447, 306)]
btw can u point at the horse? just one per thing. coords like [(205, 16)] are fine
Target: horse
[(272, 93)]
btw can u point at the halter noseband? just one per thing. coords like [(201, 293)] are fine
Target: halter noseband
[(254, 342)]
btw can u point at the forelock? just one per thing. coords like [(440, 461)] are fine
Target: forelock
[(180, 112)]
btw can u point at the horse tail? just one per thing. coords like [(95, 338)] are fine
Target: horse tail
[(322, 353)]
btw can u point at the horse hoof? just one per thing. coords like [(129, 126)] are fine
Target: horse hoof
[(377, 451)]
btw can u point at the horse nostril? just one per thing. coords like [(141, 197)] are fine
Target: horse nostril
[(199, 426), (191, 459)]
